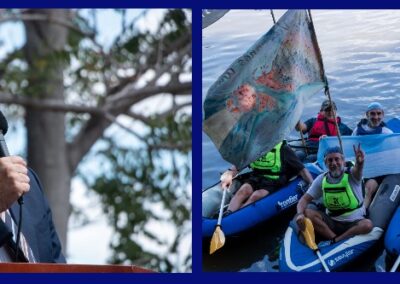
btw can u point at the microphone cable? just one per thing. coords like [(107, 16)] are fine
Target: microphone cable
[(20, 202)]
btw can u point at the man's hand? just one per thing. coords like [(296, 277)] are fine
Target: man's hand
[(359, 154), (300, 221), (300, 126), (226, 179), (14, 180)]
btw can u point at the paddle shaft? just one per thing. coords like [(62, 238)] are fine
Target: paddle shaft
[(322, 261), (395, 265), (221, 208)]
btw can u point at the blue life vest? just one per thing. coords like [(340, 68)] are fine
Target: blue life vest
[(362, 131)]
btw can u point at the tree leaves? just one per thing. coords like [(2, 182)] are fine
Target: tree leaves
[(136, 192)]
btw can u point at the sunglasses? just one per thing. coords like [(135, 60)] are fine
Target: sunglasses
[(375, 113)]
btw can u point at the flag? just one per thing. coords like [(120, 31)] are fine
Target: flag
[(258, 100), (382, 152), (209, 16)]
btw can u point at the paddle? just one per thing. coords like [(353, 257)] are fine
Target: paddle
[(395, 265), (309, 237), (218, 238), (303, 142)]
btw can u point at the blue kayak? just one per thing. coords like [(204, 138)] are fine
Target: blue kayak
[(297, 256), (392, 236), (394, 124), (252, 214)]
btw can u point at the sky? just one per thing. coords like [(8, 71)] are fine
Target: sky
[(80, 239)]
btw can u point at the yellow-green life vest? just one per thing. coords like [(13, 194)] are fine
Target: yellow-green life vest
[(339, 198), (270, 164)]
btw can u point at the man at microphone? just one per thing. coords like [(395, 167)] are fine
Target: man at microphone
[(31, 238)]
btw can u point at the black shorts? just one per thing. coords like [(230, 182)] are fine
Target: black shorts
[(260, 182), (337, 227)]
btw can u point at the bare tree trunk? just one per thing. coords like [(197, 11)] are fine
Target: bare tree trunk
[(47, 147)]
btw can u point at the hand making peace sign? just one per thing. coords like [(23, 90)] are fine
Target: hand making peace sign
[(359, 154)]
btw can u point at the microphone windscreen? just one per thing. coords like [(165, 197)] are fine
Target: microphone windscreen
[(3, 123)]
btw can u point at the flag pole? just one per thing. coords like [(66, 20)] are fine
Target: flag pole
[(327, 93)]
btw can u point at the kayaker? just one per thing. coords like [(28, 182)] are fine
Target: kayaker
[(341, 192), (372, 124), (322, 125), (270, 173)]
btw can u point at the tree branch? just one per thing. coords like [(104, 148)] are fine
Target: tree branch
[(170, 146), (127, 85), (160, 116), (96, 124), (60, 106), (41, 17), (131, 96), (48, 104), (113, 119)]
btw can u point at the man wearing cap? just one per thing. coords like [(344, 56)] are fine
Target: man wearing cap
[(341, 191), (372, 124), (323, 124)]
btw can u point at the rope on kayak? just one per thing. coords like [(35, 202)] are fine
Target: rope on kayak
[(273, 17), (327, 93)]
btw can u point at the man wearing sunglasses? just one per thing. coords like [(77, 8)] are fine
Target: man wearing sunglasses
[(341, 192), (372, 124)]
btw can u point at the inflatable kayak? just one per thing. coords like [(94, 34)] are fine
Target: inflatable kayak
[(252, 214), (297, 256), (392, 236)]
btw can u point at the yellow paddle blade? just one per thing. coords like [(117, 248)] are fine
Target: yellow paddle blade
[(217, 240), (309, 235)]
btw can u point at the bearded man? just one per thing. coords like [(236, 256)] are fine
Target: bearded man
[(341, 191)]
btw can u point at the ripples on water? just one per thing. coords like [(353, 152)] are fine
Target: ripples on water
[(361, 54)]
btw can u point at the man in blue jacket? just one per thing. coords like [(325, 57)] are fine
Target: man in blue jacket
[(372, 124), (38, 241)]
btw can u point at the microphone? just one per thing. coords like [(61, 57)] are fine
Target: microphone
[(3, 130), (3, 146)]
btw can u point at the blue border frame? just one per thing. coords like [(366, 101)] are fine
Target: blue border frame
[(198, 275), (196, 139)]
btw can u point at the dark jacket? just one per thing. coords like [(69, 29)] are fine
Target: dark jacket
[(37, 224)]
